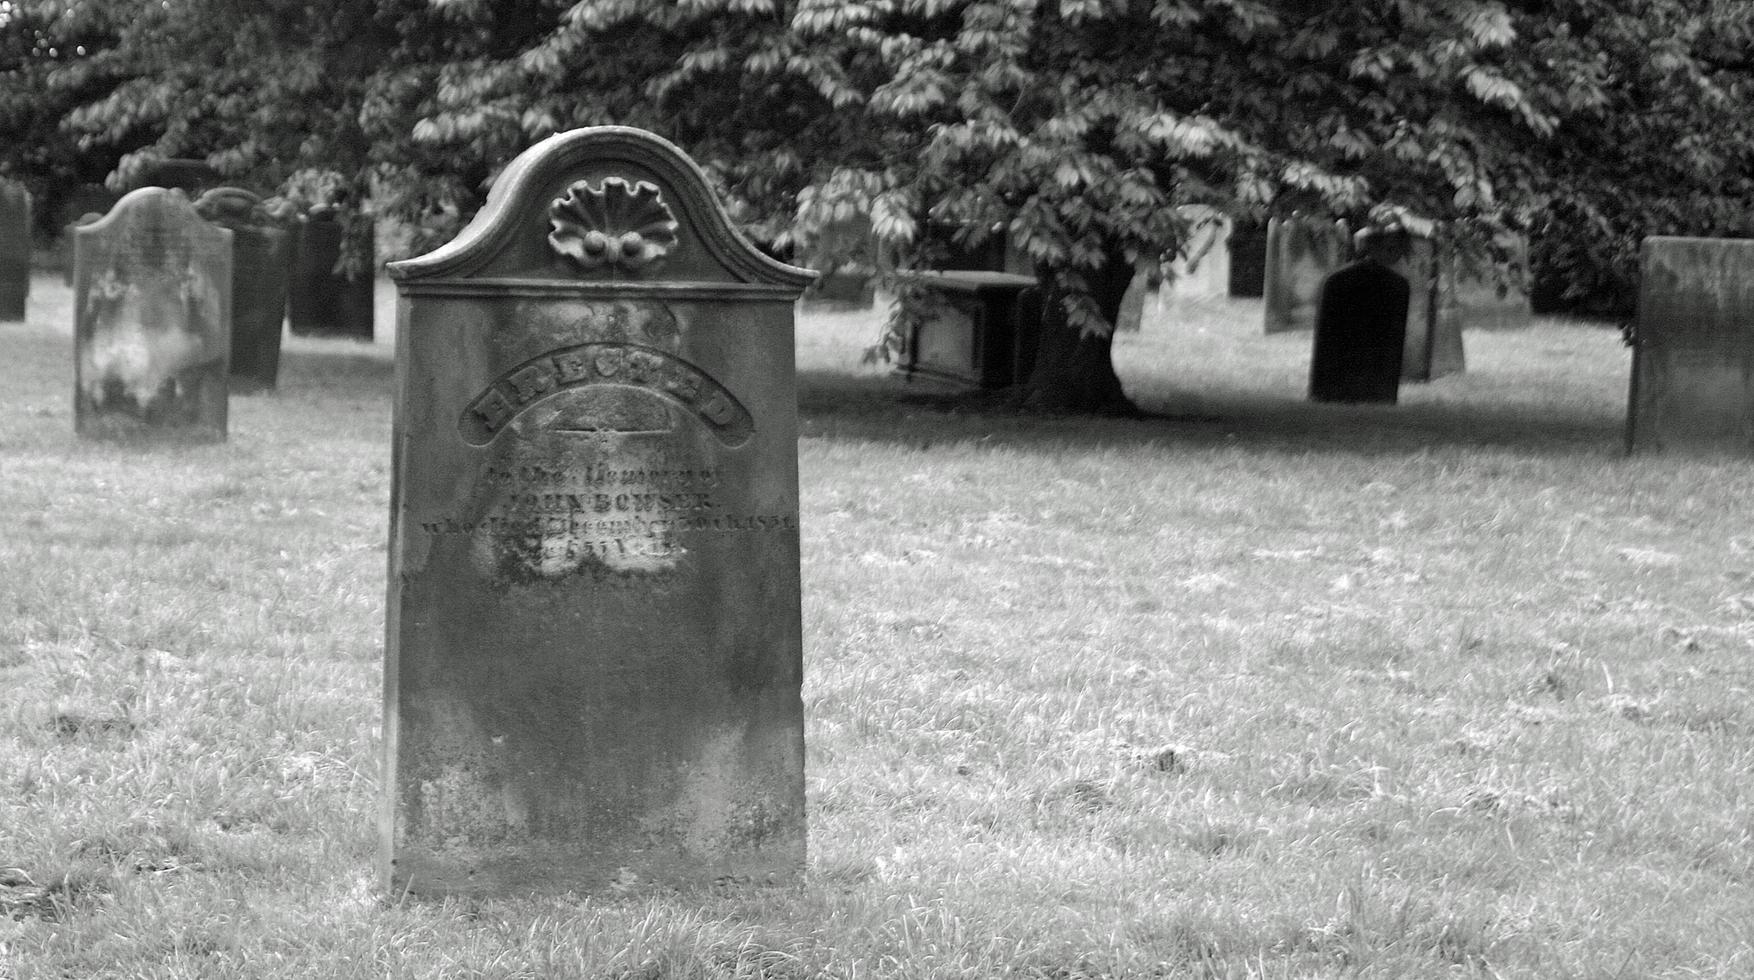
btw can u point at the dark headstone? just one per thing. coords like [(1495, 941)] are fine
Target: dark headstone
[(261, 255), (1301, 253), (594, 649), (1360, 333), (14, 249), (978, 329), (326, 298), (1247, 247), (152, 308), (1693, 353)]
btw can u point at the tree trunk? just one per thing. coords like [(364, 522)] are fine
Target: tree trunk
[(1074, 371)]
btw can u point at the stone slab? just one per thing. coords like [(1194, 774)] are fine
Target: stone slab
[(1434, 346), (261, 259), (1201, 270), (1692, 385), (152, 308), (1301, 253), (593, 642), (1360, 334), (1247, 250)]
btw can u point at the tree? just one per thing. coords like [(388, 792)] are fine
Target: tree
[(1072, 126)]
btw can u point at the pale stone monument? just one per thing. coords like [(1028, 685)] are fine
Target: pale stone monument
[(1201, 270), (1433, 346), (14, 249), (152, 315), (1693, 351), (594, 647), (1301, 253), (261, 254)]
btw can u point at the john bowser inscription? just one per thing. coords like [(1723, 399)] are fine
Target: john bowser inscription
[(594, 650)]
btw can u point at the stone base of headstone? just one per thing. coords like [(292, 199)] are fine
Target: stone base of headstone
[(323, 301), (981, 331), (1692, 386), (152, 313), (1301, 253)]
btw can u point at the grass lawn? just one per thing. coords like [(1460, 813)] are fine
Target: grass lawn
[(1254, 688)]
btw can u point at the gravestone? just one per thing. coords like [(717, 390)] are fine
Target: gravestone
[(261, 253), (324, 298), (1498, 299), (78, 202), (1201, 271), (978, 330), (1693, 350), (1247, 249), (14, 249), (1433, 346), (1360, 334), (594, 647), (1301, 253), (152, 308)]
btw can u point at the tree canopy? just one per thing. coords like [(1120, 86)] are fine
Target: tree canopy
[(1072, 126)]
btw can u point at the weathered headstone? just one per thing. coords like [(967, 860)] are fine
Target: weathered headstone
[(14, 249), (1201, 271), (325, 298), (1247, 248), (1693, 351), (261, 255), (1433, 347), (1301, 252), (77, 202), (1497, 299), (152, 309), (1360, 332), (594, 649)]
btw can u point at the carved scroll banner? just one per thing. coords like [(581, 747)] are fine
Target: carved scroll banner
[(594, 651), (1693, 355)]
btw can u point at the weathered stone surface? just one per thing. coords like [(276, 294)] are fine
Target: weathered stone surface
[(1360, 332), (1492, 299), (94, 200), (152, 308), (14, 249), (89, 217), (261, 258), (594, 647), (1301, 253), (323, 300), (1433, 346), (1693, 356), (980, 329)]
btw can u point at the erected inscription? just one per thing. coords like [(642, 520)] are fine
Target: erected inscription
[(594, 638)]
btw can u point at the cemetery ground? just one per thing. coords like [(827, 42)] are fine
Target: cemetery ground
[(1257, 689)]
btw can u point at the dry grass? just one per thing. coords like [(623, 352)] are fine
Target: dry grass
[(1256, 688)]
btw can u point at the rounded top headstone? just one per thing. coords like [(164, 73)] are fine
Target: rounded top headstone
[(605, 204)]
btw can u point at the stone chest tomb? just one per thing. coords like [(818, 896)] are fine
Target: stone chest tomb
[(594, 652)]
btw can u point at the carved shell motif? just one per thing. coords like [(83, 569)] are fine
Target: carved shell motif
[(613, 224)]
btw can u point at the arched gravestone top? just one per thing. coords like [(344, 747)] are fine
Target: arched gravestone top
[(562, 200)]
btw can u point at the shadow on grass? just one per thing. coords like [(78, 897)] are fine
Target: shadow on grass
[(889, 410)]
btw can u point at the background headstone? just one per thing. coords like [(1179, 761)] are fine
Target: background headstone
[(152, 309), (1434, 321), (15, 234), (1360, 331), (1202, 270), (1693, 351), (1486, 302), (261, 258), (594, 646), (1247, 247), (1301, 252), (323, 300)]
